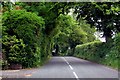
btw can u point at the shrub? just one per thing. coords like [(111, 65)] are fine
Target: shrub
[(14, 49), (22, 35), (105, 53)]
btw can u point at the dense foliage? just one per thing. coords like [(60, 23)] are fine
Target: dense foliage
[(31, 30), (71, 34), (105, 53), (103, 15), (22, 37)]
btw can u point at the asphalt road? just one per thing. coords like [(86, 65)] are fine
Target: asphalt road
[(66, 67), (71, 67)]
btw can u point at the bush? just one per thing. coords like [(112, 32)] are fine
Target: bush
[(117, 48), (100, 52), (117, 41), (88, 50), (22, 37), (15, 47)]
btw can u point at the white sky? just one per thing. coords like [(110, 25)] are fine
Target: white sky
[(98, 35)]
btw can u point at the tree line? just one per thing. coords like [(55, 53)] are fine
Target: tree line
[(32, 30)]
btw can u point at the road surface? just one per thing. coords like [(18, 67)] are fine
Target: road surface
[(65, 67)]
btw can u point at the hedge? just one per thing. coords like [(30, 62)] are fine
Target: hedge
[(22, 38), (100, 52)]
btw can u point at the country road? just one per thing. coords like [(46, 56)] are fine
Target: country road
[(65, 67)]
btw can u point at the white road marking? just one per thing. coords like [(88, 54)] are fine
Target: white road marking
[(65, 59), (75, 75), (67, 63), (71, 67)]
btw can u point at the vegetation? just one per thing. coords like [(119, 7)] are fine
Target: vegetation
[(71, 34), (22, 37), (32, 30), (100, 52), (105, 16)]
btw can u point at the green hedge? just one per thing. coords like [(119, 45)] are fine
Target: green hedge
[(100, 52), (22, 38)]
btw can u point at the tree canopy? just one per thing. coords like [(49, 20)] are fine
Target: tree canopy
[(103, 15), (32, 30)]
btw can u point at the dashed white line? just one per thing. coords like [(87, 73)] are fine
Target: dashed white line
[(65, 59), (67, 63), (75, 75), (71, 67)]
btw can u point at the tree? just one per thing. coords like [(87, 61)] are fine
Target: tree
[(49, 11), (103, 15), (70, 33), (78, 36), (89, 30)]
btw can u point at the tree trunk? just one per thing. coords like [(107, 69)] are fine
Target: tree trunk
[(57, 50), (107, 38), (73, 51), (107, 34)]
